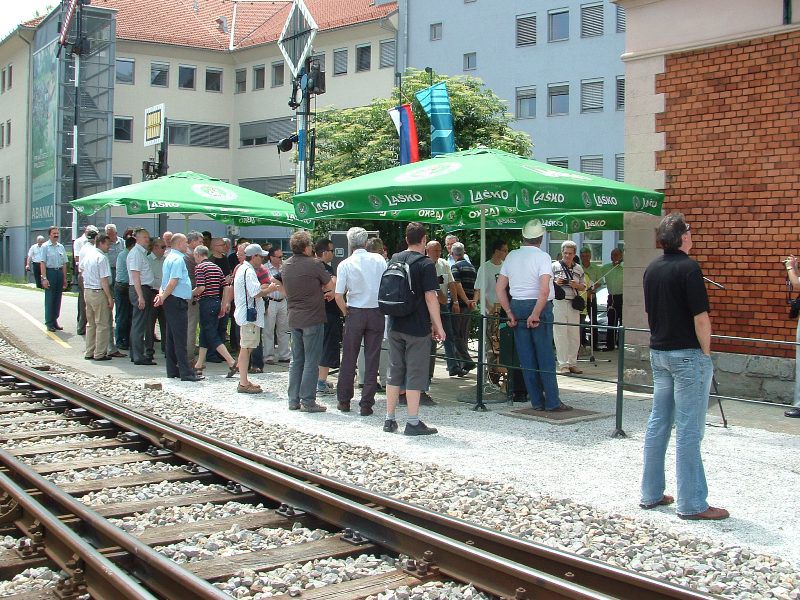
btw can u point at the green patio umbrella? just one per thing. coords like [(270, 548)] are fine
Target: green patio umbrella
[(472, 178), (194, 193)]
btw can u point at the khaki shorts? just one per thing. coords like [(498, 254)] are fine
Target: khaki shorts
[(249, 335)]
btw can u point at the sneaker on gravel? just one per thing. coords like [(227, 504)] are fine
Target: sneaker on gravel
[(313, 408), (324, 388), (248, 389), (419, 429), (294, 407), (390, 425), (426, 400)]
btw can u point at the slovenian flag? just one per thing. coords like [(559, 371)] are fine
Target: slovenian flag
[(403, 120)]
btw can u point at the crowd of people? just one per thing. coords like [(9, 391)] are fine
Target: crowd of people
[(207, 299)]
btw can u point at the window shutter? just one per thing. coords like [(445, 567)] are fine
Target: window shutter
[(592, 96), (592, 20), (619, 167), (388, 52), (622, 19), (526, 30), (279, 129), (363, 58), (620, 93), (559, 162), (592, 165), (339, 62)]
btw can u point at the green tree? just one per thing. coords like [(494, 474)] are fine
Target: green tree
[(355, 141)]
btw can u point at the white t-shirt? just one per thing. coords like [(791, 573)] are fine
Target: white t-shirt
[(487, 280), (523, 267), (445, 275)]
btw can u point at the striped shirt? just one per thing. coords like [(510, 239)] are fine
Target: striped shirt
[(209, 275)]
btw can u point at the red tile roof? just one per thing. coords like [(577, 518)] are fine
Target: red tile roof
[(194, 22)]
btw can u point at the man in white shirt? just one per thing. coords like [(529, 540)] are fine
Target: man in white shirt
[(448, 290), (485, 284), (90, 232), (359, 276), (141, 295), (248, 295), (96, 274), (448, 244), (276, 323), (33, 260), (526, 276)]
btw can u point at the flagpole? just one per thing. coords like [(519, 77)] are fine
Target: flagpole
[(479, 405)]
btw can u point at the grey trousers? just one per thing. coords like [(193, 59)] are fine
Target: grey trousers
[(366, 324), (304, 370), (142, 321)]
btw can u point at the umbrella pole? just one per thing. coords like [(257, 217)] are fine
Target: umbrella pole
[(185, 224), (479, 405)]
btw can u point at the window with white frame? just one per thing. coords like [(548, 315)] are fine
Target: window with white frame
[(388, 54), (526, 30), (159, 74), (558, 25), (121, 180), (526, 102), (620, 92), (436, 32), (340, 61), (363, 57), (125, 69), (557, 99), (123, 129), (554, 239), (622, 19), (559, 161), (201, 135), (470, 61), (259, 77), (593, 240), (592, 20), (270, 131), (277, 73), (241, 81), (213, 79), (592, 165), (591, 95), (186, 77), (619, 167)]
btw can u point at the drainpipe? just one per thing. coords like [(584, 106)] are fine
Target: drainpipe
[(28, 142)]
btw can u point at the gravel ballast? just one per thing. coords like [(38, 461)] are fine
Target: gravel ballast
[(519, 476)]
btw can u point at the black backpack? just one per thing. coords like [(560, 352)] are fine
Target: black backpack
[(396, 297)]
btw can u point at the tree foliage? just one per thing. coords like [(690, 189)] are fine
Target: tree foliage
[(355, 141)]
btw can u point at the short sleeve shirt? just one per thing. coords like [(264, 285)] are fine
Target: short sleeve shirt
[(614, 278), (303, 277), (523, 267), (175, 268), (122, 271), (674, 294), (464, 273), (53, 255), (94, 266), (209, 275), (245, 287), (137, 261), (35, 253), (487, 281), (423, 279), (445, 276)]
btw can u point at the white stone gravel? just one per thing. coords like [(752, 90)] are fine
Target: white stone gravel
[(237, 540), (59, 439), (41, 426), (94, 473), (172, 515), (77, 454), (295, 577), (140, 493), (30, 580), (519, 476), (17, 404), (28, 414), (8, 542)]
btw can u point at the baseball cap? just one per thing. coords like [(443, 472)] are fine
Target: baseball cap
[(91, 232), (533, 229), (255, 250)]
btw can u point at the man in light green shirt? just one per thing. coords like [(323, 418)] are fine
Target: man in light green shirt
[(613, 272)]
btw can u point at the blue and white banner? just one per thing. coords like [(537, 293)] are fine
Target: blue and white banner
[(436, 103)]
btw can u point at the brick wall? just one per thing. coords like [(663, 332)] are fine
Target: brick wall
[(732, 164)]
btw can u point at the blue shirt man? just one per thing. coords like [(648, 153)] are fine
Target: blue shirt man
[(175, 294), (53, 268)]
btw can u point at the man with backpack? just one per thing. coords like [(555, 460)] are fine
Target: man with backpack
[(408, 294)]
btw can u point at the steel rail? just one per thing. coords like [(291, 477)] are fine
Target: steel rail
[(89, 570), (549, 567)]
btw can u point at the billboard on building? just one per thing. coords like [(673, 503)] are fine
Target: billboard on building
[(43, 143)]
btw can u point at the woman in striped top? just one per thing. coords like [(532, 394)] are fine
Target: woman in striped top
[(209, 282)]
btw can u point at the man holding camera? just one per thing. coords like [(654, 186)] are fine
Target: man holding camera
[(569, 276)]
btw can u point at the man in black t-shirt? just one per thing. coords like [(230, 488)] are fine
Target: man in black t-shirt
[(409, 336), (332, 336), (676, 302)]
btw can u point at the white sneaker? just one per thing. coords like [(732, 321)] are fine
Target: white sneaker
[(564, 371)]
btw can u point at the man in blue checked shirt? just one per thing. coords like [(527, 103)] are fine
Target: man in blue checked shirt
[(54, 278), (175, 295)]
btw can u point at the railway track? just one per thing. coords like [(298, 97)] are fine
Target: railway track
[(49, 427)]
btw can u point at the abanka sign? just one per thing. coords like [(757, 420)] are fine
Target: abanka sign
[(155, 120)]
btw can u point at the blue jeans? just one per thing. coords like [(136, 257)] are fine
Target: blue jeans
[(536, 355), (681, 384), (304, 370), (209, 322)]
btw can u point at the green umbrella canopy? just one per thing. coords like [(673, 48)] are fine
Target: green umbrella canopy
[(194, 193), (471, 178)]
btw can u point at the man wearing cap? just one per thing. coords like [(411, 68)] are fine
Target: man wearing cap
[(174, 295), (526, 276), (248, 295), (33, 260)]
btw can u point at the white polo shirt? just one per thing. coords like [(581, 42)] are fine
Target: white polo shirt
[(94, 266), (523, 267), (35, 253), (360, 276), (137, 261)]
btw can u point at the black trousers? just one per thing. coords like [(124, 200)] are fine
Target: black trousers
[(176, 313), (585, 331), (142, 321), (614, 318), (36, 268)]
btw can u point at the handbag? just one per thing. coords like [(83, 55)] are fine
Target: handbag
[(578, 303)]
